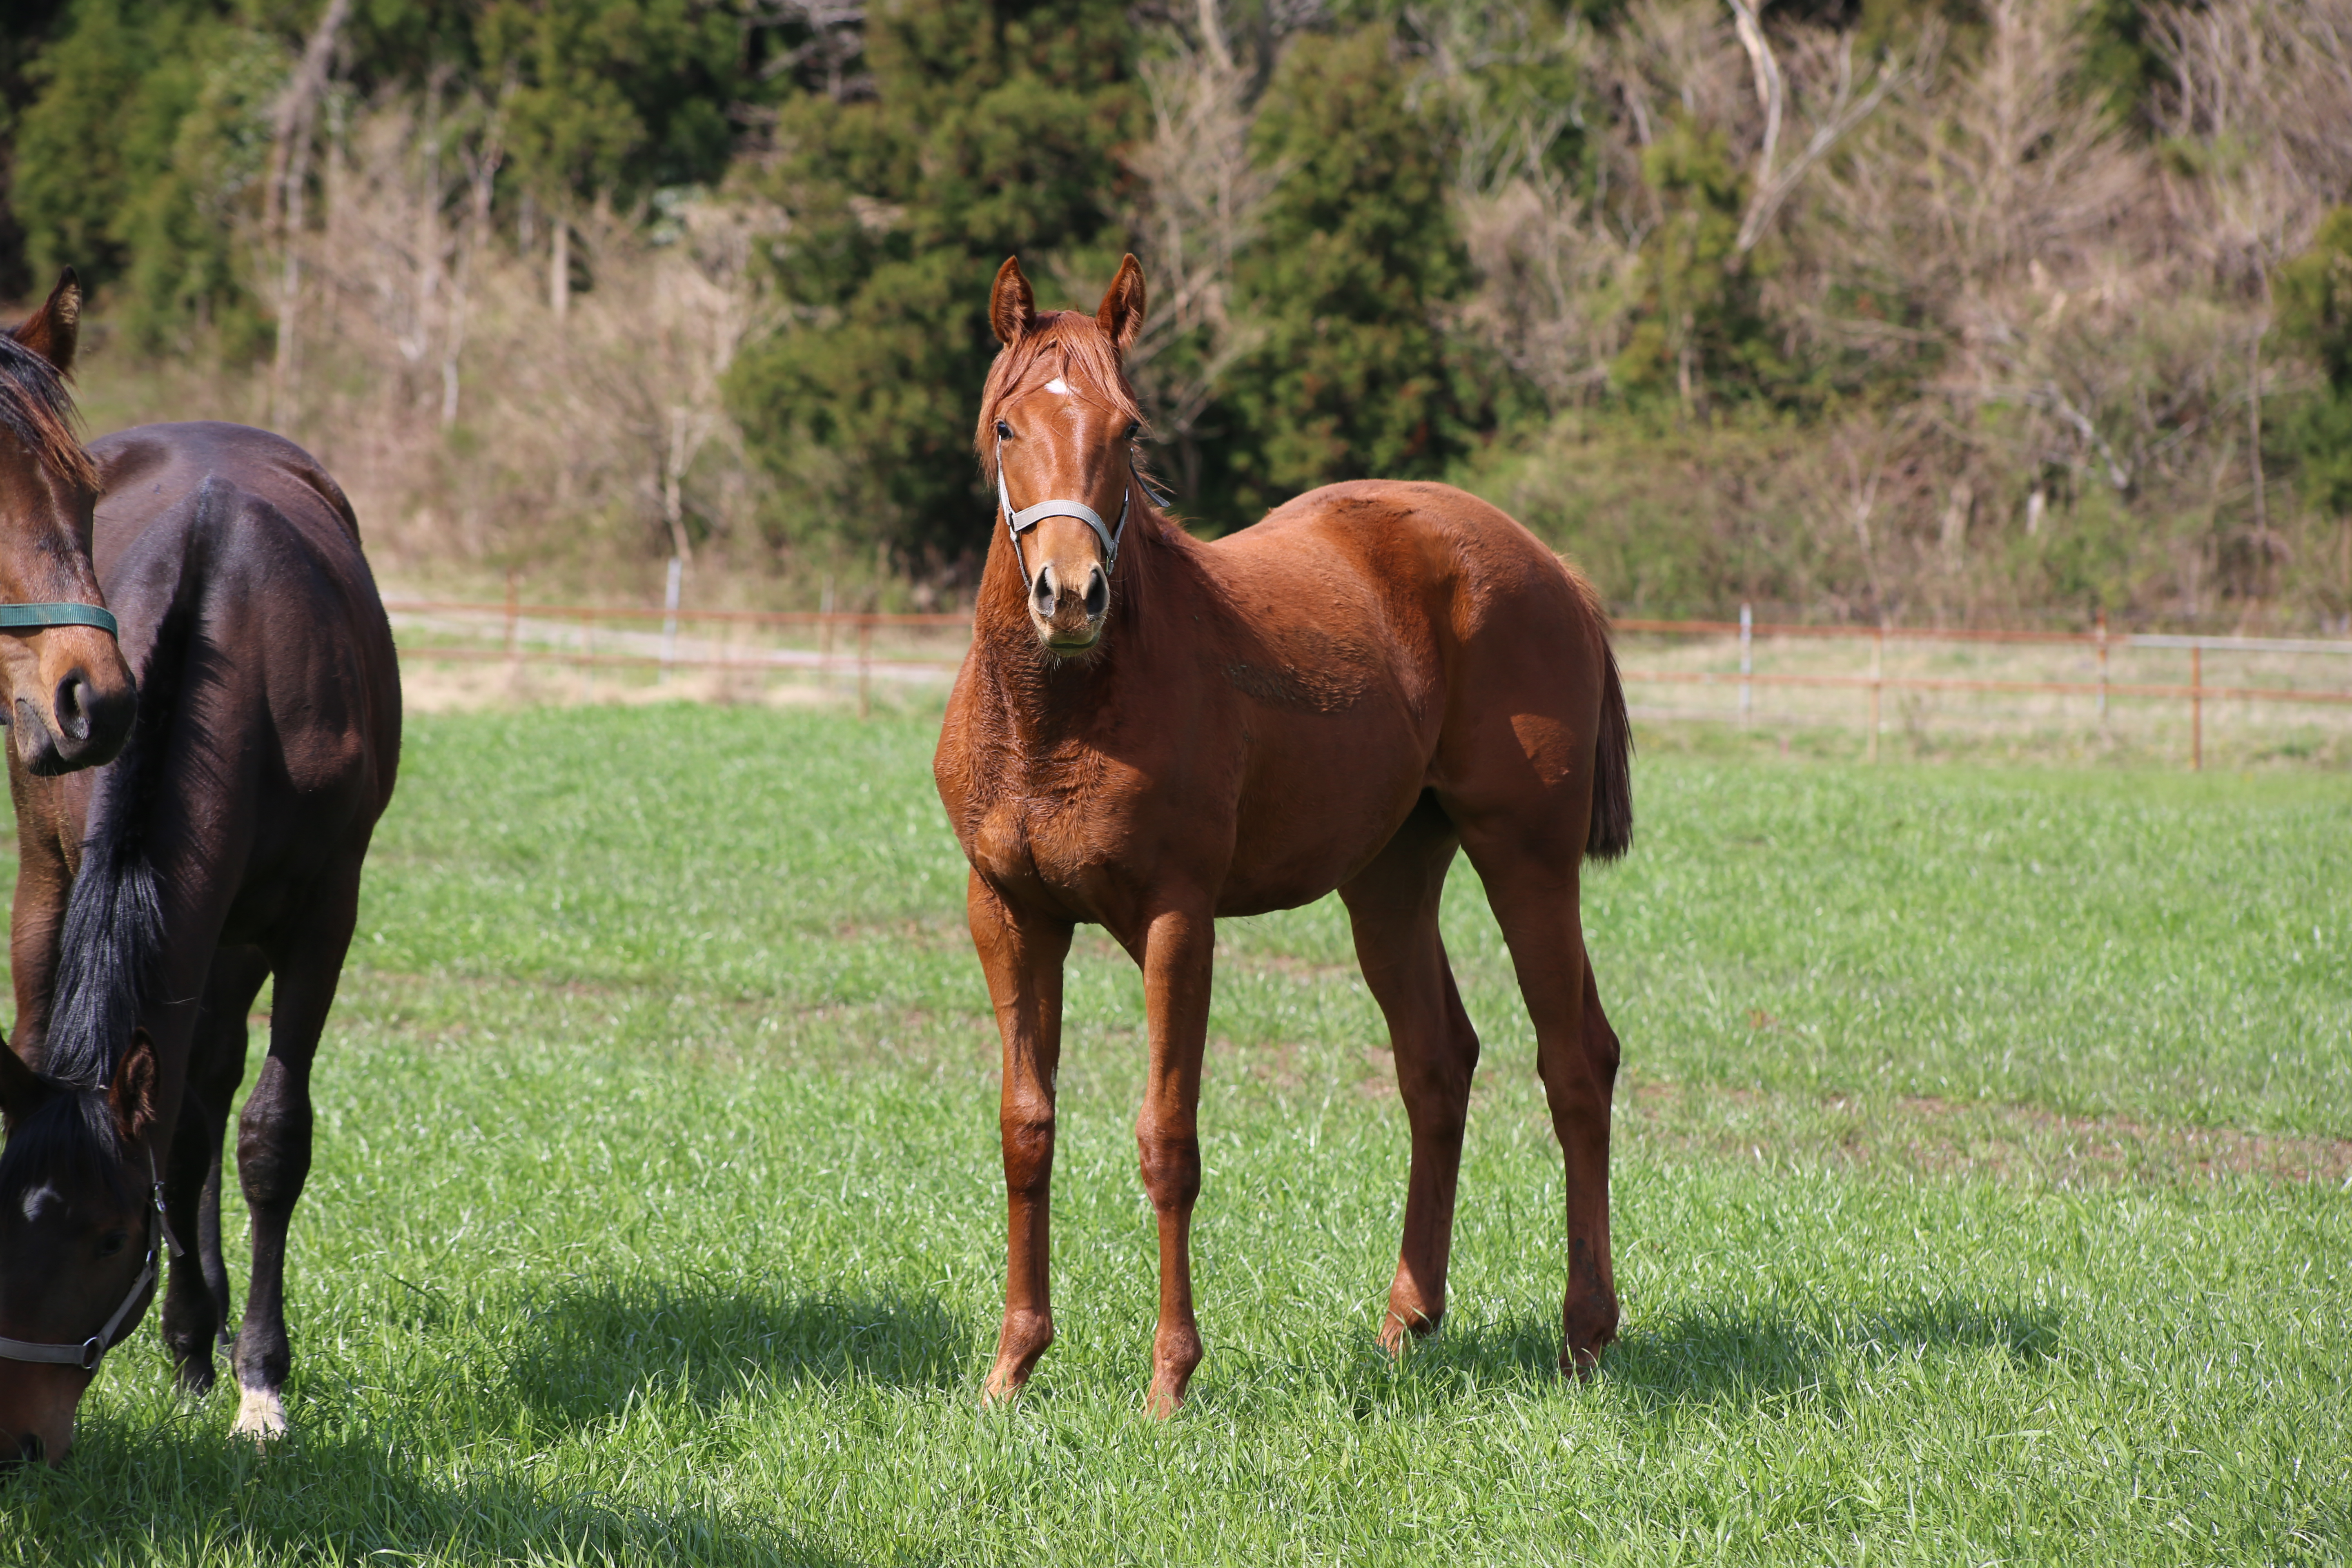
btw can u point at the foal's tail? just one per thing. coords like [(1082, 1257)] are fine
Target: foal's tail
[(1611, 833)]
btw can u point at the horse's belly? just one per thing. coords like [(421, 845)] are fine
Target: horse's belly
[(1319, 816)]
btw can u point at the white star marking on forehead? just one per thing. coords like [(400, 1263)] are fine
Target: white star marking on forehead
[(1059, 388)]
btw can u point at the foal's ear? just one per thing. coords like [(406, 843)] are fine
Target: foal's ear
[(21, 1089), (1121, 314), (52, 331), (1011, 308), (132, 1095)]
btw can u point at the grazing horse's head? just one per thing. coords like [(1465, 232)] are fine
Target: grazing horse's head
[(68, 698), (1057, 424), (80, 1239)]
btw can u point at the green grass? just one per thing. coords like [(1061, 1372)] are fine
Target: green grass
[(657, 1213)]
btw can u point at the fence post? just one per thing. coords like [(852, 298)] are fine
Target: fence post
[(514, 626), (865, 653), (824, 636), (588, 655), (1746, 662), (2103, 666), (669, 619), (1878, 667), (2196, 708)]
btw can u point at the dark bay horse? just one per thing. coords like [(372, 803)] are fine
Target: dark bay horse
[(155, 895), (1150, 732)]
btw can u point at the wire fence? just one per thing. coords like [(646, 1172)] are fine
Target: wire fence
[(1744, 672)]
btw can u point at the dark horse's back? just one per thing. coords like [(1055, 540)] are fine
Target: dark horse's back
[(226, 552)]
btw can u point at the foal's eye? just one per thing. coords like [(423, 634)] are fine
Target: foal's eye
[(112, 1242), (1134, 428), (1004, 431)]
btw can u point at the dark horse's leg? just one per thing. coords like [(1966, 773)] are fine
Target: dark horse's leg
[(1021, 956), (273, 1137), (195, 1303), (1392, 904)]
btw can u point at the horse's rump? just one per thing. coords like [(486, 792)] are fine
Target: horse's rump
[(1445, 567)]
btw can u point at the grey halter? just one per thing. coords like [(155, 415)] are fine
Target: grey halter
[(1031, 516), (86, 1354)]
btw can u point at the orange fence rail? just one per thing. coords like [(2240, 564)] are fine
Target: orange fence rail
[(567, 635)]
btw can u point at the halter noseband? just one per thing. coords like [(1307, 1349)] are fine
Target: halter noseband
[(86, 1354), (34, 617), (1031, 516)]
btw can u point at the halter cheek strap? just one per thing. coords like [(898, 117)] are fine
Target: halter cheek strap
[(1028, 516), (35, 617), (86, 1354)]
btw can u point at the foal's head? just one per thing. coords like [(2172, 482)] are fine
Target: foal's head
[(77, 1228), (68, 695), (1059, 422)]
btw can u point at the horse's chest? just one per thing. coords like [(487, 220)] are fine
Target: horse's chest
[(1057, 832), (1049, 843)]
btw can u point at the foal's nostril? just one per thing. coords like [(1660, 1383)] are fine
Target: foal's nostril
[(1040, 592), (1097, 593), (72, 704)]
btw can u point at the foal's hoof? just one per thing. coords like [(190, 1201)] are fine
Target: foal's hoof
[(260, 1415), (1398, 1332)]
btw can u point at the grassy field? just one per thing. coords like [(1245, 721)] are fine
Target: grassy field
[(1981, 1196)]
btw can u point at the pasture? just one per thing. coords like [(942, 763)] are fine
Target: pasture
[(1979, 1195)]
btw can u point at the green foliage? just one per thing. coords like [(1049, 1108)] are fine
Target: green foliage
[(618, 97), (991, 131), (1701, 337), (141, 159), (2313, 294), (1351, 379)]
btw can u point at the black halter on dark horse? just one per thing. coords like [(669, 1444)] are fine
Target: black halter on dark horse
[(155, 894)]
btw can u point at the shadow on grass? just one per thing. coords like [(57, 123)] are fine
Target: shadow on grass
[(590, 1349), (1702, 1357), (174, 1493)]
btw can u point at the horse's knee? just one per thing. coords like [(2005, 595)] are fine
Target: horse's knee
[(1171, 1169), (1028, 1142), (273, 1141)]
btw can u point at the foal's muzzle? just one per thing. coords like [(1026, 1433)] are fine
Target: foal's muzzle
[(1070, 621)]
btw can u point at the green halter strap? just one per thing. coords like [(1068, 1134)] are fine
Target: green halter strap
[(33, 617)]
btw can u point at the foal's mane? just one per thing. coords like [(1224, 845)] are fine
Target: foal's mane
[(36, 409), (1064, 344)]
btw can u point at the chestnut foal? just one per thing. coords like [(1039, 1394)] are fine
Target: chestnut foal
[(1150, 732)]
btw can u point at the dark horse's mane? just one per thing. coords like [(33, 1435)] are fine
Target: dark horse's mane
[(36, 408)]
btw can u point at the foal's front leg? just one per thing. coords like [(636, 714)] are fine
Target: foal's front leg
[(1021, 955), (1177, 954)]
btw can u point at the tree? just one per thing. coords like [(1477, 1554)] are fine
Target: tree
[(1355, 259), (991, 131)]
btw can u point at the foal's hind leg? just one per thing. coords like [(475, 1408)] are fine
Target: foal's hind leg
[(195, 1299), (1532, 885), (273, 1140), (1392, 904)]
